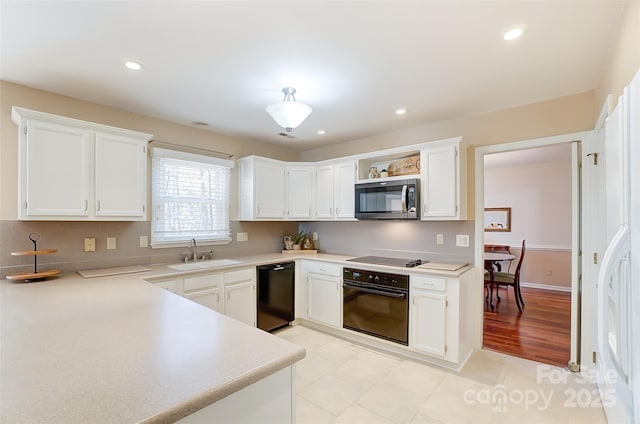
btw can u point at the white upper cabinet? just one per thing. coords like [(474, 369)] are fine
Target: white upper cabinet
[(300, 192), (324, 192), (335, 190), (55, 171), (121, 176), (262, 190), (274, 190), (78, 171), (443, 174)]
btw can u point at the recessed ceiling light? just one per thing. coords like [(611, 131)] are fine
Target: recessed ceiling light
[(322, 132), (401, 111), (512, 34), (134, 66)]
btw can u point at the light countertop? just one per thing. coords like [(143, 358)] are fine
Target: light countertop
[(118, 349)]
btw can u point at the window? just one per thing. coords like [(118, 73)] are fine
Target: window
[(190, 198)]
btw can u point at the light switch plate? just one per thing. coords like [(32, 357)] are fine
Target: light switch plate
[(462, 240), (242, 236), (89, 244), (439, 238), (315, 236), (144, 241), (111, 243)]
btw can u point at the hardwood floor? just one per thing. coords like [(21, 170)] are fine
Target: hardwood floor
[(542, 332)]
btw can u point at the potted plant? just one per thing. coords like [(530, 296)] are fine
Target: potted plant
[(298, 239)]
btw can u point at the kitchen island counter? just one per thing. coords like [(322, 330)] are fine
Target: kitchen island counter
[(118, 349)]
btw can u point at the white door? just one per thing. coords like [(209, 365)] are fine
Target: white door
[(576, 264), (121, 176), (299, 192), (269, 190), (344, 190), (592, 237), (324, 192), (429, 321), (56, 179), (240, 301), (324, 299), (439, 185), (614, 280), (211, 298)]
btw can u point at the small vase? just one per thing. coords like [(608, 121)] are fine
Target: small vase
[(296, 247)]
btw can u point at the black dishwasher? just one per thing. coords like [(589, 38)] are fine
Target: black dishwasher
[(275, 295)]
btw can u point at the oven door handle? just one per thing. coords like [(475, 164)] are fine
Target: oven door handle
[(373, 291)]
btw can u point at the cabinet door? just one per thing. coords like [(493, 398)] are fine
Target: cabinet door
[(171, 285), (325, 298), (299, 192), (211, 298), (324, 192), (439, 184), (344, 190), (429, 322), (121, 177), (269, 190), (55, 178), (240, 301)]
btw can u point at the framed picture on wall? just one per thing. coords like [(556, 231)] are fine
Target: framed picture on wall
[(497, 219)]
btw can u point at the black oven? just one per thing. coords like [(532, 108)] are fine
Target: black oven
[(377, 304), (396, 199)]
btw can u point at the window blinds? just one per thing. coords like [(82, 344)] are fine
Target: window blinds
[(190, 198)]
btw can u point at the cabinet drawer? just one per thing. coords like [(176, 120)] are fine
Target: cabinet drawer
[(428, 283), (202, 282), (240, 275), (324, 268)]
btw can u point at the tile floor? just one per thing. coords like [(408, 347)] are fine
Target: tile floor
[(341, 382)]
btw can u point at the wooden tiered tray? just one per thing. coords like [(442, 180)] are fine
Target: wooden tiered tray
[(35, 275)]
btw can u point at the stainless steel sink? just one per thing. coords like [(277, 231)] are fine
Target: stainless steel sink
[(204, 264)]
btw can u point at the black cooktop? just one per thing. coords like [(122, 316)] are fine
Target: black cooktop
[(380, 260)]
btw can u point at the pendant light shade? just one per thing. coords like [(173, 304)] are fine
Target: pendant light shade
[(289, 113)]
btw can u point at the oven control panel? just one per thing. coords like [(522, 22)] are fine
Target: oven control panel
[(375, 277)]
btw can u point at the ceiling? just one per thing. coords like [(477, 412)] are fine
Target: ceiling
[(354, 63)]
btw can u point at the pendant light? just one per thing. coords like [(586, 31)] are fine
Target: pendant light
[(289, 113)]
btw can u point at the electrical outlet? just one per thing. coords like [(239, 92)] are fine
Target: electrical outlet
[(439, 238), (462, 240), (315, 236), (111, 243), (144, 241), (242, 237), (89, 244)]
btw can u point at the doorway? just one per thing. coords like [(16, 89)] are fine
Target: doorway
[(533, 187), (568, 291)]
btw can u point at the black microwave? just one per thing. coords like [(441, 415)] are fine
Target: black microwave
[(396, 199)]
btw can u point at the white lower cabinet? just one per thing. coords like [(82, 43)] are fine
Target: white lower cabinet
[(240, 295), (232, 293), (429, 316), (240, 300), (206, 290), (324, 292)]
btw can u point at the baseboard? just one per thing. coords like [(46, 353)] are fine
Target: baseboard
[(545, 287)]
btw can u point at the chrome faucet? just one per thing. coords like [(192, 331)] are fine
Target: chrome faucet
[(192, 245)]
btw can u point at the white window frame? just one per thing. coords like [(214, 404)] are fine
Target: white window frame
[(219, 235)]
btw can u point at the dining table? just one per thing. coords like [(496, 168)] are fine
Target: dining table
[(491, 259)]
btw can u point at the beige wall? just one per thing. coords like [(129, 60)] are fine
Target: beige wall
[(624, 61)]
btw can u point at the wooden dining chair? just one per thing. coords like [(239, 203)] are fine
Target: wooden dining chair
[(498, 279)]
